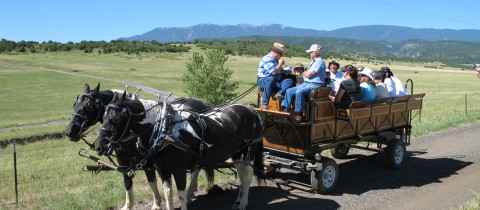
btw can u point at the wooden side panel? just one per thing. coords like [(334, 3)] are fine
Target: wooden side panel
[(398, 107), (345, 128), (416, 104), (285, 135), (383, 121), (287, 149), (365, 125), (381, 117), (323, 131), (324, 110), (399, 118), (380, 109), (358, 113)]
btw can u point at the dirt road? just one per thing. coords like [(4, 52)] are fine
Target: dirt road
[(442, 171)]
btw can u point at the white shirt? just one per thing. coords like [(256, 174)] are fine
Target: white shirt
[(395, 87), (336, 80)]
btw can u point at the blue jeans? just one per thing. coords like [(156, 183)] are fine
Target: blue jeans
[(300, 93), (270, 85)]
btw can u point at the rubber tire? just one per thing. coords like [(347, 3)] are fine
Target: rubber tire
[(340, 151), (396, 154), (325, 179)]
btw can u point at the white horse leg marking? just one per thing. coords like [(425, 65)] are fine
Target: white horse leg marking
[(240, 166), (192, 187), (182, 195), (246, 185), (156, 195), (167, 189), (129, 203)]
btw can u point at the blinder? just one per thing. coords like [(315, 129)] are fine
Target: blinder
[(89, 107)]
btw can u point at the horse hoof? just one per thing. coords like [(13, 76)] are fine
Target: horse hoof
[(236, 205)]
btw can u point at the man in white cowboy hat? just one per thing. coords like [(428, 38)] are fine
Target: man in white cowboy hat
[(314, 77), (268, 76)]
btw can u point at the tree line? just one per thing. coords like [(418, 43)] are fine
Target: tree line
[(7, 46)]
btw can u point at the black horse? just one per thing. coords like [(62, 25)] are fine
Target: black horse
[(184, 139), (89, 109)]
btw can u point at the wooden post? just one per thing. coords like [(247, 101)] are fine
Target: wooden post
[(15, 169)]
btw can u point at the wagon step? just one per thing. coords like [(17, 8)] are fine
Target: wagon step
[(279, 162)]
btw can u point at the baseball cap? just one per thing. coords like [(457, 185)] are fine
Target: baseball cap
[(314, 48), (379, 75)]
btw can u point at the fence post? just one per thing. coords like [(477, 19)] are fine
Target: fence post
[(15, 169), (466, 112)]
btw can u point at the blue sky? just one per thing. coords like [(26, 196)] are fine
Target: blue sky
[(64, 20)]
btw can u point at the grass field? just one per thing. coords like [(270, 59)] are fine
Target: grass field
[(37, 89)]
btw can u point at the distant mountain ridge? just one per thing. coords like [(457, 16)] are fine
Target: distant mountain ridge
[(368, 33)]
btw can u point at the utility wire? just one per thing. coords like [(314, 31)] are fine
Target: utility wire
[(462, 5), (426, 13)]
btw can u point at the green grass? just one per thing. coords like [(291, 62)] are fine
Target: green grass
[(33, 92), (50, 174), (473, 205)]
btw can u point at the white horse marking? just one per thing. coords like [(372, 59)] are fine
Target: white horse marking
[(129, 201), (156, 195), (167, 189)]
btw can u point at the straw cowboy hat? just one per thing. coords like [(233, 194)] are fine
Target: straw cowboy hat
[(279, 47)]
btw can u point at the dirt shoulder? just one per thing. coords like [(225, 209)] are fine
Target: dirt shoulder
[(442, 171)]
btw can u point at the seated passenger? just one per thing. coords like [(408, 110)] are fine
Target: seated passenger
[(298, 71), (313, 77), (336, 77), (380, 88), (367, 85), (349, 90), (269, 78), (394, 85)]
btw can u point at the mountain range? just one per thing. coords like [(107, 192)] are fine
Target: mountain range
[(367, 33)]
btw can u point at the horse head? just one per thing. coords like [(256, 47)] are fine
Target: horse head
[(114, 125), (122, 118), (87, 111)]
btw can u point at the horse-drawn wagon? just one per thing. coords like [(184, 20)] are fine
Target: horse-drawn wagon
[(298, 145)]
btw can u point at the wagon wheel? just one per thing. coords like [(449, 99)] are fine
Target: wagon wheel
[(340, 151), (325, 177), (395, 153)]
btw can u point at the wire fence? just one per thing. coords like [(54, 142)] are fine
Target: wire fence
[(31, 171)]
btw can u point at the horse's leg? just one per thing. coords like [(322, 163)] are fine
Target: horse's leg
[(152, 182), (245, 174), (240, 172), (129, 202), (167, 189), (180, 176), (192, 187)]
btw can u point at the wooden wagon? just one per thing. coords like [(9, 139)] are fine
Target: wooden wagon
[(298, 146)]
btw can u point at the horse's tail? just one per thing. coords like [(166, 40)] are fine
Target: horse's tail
[(210, 175)]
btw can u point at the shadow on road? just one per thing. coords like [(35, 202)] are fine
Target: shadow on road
[(358, 174), (264, 197)]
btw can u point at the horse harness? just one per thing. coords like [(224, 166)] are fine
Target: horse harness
[(160, 138)]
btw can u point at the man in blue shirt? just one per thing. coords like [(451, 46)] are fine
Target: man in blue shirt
[(268, 77), (314, 77)]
